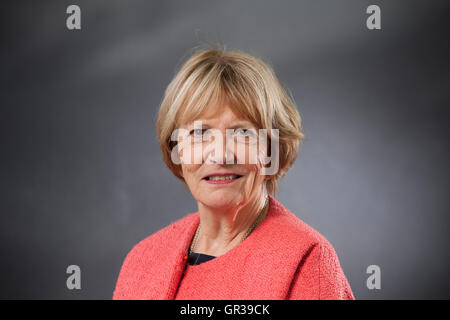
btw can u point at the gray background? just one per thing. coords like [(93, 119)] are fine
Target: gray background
[(81, 175)]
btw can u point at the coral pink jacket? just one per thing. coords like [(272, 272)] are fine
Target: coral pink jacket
[(283, 258)]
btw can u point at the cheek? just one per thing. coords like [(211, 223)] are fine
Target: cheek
[(247, 154), (190, 152), (253, 173), (189, 171)]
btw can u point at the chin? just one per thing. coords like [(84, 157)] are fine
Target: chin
[(220, 198)]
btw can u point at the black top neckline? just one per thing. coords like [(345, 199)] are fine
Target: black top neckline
[(196, 258)]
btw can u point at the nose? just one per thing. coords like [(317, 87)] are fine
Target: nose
[(219, 148)]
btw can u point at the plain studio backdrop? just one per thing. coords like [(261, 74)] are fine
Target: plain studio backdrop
[(81, 174)]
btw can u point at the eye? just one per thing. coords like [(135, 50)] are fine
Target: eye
[(244, 132), (197, 132)]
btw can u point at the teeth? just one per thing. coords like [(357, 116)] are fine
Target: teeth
[(230, 177)]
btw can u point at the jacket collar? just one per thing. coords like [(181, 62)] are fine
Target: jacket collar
[(268, 247)]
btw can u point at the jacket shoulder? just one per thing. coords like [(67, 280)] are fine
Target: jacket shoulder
[(161, 237), (321, 275), (140, 259), (296, 229)]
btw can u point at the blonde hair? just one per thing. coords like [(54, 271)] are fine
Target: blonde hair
[(250, 88)]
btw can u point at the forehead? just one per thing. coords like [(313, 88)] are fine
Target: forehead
[(221, 115)]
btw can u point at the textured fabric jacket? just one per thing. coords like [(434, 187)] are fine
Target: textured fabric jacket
[(283, 258)]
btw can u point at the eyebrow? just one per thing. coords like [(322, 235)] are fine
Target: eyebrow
[(235, 126)]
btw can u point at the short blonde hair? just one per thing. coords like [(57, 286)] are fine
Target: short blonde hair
[(250, 88)]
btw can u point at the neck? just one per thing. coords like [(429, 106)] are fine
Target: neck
[(223, 229)]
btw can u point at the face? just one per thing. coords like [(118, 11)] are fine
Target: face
[(220, 160)]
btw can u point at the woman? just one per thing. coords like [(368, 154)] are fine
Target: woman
[(229, 131)]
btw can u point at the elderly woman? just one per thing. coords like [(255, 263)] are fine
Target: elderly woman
[(229, 131)]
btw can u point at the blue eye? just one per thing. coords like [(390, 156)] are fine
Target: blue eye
[(244, 132), (196, 132)]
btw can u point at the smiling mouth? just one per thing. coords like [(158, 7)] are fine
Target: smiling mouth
[(222, 177)]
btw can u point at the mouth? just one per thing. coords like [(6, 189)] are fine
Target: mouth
[(221, 178)]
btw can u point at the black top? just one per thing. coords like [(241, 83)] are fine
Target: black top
[(197, 258)]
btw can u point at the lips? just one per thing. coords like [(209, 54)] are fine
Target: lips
[(218, 178)]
